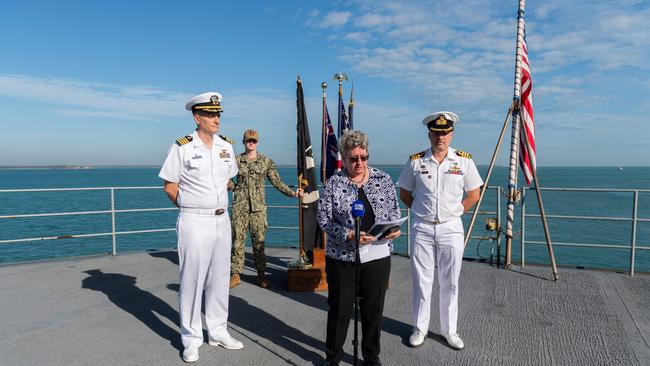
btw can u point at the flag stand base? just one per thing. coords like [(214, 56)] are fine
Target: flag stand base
[(304, 279)]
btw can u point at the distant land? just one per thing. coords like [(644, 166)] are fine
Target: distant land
[(92, 166), (80, 166)]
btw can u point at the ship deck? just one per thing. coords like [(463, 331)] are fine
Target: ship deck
[(124, 311)]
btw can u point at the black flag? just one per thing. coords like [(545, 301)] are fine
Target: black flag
[(310, 236)]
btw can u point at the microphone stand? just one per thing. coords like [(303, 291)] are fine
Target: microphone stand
[(357, 263)]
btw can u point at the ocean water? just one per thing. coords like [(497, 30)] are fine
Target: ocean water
[(563, 230)]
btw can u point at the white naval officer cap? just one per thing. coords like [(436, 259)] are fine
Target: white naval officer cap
[(442, 121), (208, 102)]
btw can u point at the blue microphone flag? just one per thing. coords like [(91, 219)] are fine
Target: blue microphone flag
[(357, 209)]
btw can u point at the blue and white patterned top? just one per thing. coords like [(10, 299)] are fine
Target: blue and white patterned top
[(335, 209)]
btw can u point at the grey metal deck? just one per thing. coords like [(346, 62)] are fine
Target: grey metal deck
[(123, 311)]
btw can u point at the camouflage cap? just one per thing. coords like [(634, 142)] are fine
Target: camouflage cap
[(251, 135)]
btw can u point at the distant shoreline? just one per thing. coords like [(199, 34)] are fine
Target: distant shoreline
[(84, 167), (74, 167)]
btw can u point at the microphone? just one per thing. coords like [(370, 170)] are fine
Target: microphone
[(357, 213)]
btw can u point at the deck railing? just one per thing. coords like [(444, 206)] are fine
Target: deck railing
[(634, 219), (494, 240)]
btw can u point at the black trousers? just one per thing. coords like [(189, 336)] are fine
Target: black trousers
[(373, 282)]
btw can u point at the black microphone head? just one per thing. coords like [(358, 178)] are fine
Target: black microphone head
[(358, 210)]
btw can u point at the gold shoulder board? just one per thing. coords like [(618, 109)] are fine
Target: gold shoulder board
[(227, 139), (418, 155), (184, 140), (463, 154)]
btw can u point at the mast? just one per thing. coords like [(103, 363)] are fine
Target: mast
[(514, 142), (323, 155)]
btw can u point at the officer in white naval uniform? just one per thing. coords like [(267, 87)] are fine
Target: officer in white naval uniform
[(432, 185), (196, 173)]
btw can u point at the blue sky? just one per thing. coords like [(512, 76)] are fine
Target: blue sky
[(84, 82)]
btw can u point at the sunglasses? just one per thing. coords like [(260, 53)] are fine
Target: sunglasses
[(251, 141), (355, 159)]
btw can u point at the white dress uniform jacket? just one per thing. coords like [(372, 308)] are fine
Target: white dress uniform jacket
[(438, 188), (202, 174), (437, 230), (204, 237)]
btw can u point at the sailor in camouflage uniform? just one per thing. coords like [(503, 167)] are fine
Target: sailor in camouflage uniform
[(432, 185), (249, 207)]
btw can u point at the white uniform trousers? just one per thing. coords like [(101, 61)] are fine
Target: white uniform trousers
[(204, 262), (431, 245)]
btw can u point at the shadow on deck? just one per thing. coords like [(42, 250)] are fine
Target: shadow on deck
[(123, 311)]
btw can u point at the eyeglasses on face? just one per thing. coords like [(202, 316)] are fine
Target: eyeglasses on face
[(251, 141), (354, 159)]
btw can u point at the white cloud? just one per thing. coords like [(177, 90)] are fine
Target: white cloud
[(462, 53), (335, 19), (588, 59), (84, 99), (358, 37), (372, 21), (91, 98)]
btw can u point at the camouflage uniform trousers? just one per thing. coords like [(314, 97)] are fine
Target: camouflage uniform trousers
[(242, 223)]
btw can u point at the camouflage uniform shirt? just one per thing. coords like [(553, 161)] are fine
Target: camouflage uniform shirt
[(249, 195)]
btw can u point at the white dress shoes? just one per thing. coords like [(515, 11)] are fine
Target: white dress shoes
[(454, 341), (417, 338), (226, 341), (191, 353)]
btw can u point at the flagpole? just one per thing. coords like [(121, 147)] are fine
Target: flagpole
[(340, 76), (323, 155), (514, 142), (324, 148), (351, 107), (487, 179)]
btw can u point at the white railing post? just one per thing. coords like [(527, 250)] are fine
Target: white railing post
[(113, 220), (633, 244), (498, 190)]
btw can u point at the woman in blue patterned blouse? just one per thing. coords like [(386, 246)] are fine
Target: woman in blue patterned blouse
[(376, 189)]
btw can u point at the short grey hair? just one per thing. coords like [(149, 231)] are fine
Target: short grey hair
[(351, 140)]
